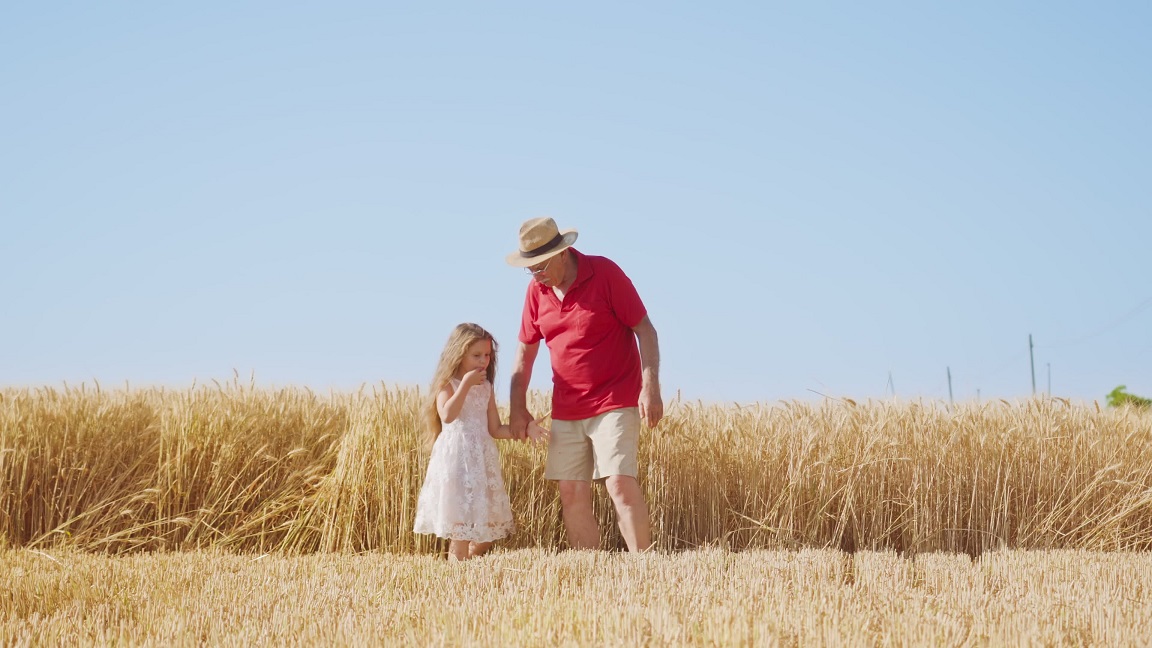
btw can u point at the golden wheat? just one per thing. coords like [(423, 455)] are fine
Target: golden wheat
[(256, 470)]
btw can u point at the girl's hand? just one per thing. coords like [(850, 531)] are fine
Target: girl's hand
[(474, 378), (538, 433)]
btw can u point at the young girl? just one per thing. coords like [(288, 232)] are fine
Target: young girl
[(463, 497)]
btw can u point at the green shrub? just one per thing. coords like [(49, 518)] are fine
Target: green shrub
[(1118, 397)]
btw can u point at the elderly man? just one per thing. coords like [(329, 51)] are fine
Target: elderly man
[(605, 378)]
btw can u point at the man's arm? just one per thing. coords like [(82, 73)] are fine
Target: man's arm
[(519, 416), (651, 405)]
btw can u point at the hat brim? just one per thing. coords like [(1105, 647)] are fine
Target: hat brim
[(568, 237)]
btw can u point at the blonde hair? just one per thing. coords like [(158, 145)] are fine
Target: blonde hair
[(462, 337)]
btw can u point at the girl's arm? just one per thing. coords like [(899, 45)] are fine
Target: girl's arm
[(447, 406), (495, 429), (449, 402)]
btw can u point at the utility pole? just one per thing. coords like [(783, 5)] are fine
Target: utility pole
[(949, 385), (1032, 361)]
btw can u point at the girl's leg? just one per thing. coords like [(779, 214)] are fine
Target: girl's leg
[(478, 548), (458, 549)]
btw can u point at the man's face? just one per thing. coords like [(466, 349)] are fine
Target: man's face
[(550, 272)]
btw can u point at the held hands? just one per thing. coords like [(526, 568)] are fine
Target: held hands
[(518, 423), (538, 433), (525, 428)]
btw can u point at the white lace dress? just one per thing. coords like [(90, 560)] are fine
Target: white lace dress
[(463, 497)]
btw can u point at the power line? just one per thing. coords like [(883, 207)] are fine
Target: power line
[(1084, 338), (890, 387)]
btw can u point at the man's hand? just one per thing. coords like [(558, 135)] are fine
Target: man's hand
[(519, 416), (518, 423), (651, 406)]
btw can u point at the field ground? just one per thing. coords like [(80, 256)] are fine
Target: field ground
[(541, 597)]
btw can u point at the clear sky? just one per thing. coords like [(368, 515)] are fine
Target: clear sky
[(838, 198)]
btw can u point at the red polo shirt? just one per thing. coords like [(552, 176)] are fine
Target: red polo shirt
[(595, 360)]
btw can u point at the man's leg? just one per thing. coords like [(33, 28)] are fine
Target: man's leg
[(579, 521), (631, 511)]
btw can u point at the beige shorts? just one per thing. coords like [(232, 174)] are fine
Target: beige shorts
[(594, 448)]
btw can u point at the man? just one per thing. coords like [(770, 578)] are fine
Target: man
[(605, 378)]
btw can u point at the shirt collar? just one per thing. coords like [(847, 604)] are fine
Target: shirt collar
[(583, 268)]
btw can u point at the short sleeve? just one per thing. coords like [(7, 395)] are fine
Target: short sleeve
[(626, 302)]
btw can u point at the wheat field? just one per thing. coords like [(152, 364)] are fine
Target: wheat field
[(290, 471), (230, 514)]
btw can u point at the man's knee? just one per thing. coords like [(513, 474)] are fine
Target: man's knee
[(575, 493), (624, 490)]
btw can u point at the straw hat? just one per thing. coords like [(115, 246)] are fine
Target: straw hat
[(540, 240)]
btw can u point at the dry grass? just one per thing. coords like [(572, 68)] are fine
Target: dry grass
[(534, 597), (289, 471)]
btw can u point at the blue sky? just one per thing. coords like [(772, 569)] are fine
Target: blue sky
[(839, 198)]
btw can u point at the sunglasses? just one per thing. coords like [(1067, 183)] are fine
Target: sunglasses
[(536, 272)]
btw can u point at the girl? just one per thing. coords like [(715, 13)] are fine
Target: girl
[(463, 497)]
